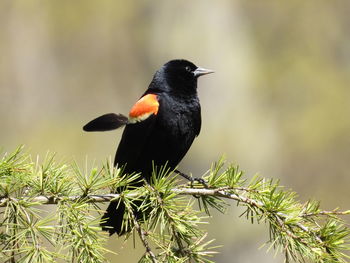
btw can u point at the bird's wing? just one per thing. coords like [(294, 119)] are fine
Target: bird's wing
[(142, 119), (144, 108), (106, 122)]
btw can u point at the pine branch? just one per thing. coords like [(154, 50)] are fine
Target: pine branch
[(218, 192), (54, 200), (300, 231), (142, 235), (184, 190)]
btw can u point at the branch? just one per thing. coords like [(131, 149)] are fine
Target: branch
[(234, 196), (302, 231), (218, 192), (53, 200), (141, 234), (328, 213)]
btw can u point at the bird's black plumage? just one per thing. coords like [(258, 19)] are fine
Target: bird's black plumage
[(162, 126)]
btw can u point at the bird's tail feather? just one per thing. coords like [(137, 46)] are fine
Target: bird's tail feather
[(106, 122), (113, 219)]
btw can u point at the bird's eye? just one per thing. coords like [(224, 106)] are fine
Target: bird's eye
[(188, 69)]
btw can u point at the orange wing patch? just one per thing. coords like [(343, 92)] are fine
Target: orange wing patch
[(143, 108)]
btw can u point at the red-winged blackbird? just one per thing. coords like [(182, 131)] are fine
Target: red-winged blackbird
[(159, 130)]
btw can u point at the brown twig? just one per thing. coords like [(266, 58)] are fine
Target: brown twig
[(328, 213), (142, 235)]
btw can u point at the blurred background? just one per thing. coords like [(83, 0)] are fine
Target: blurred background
[(278, 104)]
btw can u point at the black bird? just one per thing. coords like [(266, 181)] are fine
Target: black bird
[(159, 130)]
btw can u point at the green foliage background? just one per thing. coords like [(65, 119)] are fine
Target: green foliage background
[(277, 104)]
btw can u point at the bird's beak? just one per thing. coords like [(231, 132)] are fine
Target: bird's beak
[(202, 71)]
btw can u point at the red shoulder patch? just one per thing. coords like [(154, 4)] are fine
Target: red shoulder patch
[(143, 108)]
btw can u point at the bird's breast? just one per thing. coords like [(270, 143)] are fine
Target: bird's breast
[(179, 121)]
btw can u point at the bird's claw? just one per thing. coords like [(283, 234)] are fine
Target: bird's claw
[(192, 180), (200, 181)]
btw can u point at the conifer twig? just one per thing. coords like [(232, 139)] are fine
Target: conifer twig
[(220, 192), (143, 238), (170, 222)]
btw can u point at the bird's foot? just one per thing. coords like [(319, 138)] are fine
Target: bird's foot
[(200, 181), (192, 180)]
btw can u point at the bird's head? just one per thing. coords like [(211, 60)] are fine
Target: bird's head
[(181, 75)]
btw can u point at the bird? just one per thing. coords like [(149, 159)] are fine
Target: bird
[(159, 130)]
